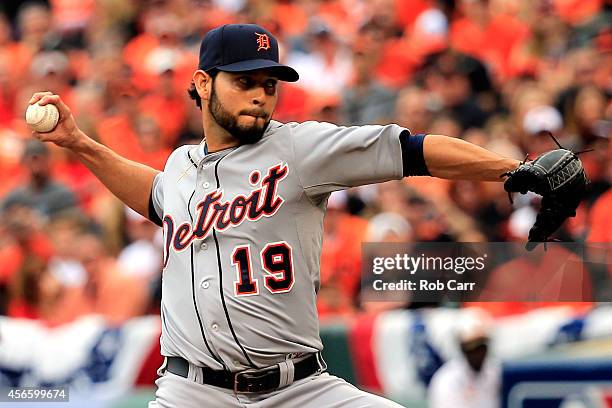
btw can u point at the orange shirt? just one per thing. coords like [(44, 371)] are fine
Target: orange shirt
[(600, 223), (576, 12), (20, 57), (70, 14), (7, 106), (493, 43), (173, 111), (556, 275), (341, 265), (11, 258), (116, 133), (407, 11), (600, 230), (292, 103), (156, 159), (12, 254), (18, 177), (396, 64), (558, 278), (79, 179), (294, 19), (18, 309), (136, 51)]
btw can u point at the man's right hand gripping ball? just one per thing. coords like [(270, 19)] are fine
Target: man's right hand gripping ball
[(66, 133), (559, 177)]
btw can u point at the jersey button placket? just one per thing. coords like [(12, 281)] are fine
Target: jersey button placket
[(203, 255)]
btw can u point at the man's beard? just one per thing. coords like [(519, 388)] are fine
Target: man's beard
[(245, 135)]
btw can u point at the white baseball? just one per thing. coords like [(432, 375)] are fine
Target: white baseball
[(42, 118)]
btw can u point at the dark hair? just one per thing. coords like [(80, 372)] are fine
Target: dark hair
[(193, 92)]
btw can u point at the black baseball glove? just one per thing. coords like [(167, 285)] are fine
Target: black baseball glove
[(558, 176)]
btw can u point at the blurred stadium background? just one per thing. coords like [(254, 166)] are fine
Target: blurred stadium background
[(80, 274)]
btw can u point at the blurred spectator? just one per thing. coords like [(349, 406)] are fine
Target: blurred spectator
[(389, 227), (191, 131), (449, 83), (151, 149), (496, 73), (42, 192), (470, 197), (582, 66), (471, 379), (324, 108), (72, 16), (64, 264), (14, 64), (536, 125), (340, 258), (445, 124), (486, 35), (142, 257), (99, 293), (384, 43), (24, 251), (117, 129), (587, 113), (386, 227), (33, 292), (366, 101), (429, 33), (35, 27), (412, 110), (166, 98), (50, 70), (601, 219), (555, 275), (544, 44), (424, 218), (11, 150), (325, 67)]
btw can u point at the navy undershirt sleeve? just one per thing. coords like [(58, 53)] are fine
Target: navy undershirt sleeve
[(152, 213), (413, 159)]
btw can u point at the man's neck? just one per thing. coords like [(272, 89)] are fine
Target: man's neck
[(212, 147), (217, 138)]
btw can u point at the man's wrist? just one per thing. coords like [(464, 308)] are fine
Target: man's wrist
[(82, 143), (508, 166), (512, 164)]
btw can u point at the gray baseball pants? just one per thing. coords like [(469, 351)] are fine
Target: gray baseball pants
[(316, 391)]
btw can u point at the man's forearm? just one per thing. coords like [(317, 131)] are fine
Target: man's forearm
[(456, 159), (129, 181)]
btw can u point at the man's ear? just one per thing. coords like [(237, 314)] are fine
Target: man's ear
[(203, 83)]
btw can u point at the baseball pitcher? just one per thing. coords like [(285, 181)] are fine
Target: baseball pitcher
[(242, 216)]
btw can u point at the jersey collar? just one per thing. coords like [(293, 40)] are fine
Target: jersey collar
[(199, 152)]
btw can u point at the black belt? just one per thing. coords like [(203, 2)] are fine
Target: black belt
[(247, 381)]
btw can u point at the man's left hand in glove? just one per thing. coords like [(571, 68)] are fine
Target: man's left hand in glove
[(559, 177)]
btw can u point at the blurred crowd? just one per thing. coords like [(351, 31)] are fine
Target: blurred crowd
[(498, 73)]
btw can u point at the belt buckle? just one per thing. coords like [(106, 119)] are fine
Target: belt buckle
[(245, 375), (237, 378)]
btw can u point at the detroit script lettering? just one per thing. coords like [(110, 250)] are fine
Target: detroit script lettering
[(214, 212)]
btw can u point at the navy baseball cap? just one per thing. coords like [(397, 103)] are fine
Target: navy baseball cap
[(243, 47)]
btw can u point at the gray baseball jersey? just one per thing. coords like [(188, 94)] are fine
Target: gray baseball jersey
[(243, 234)]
